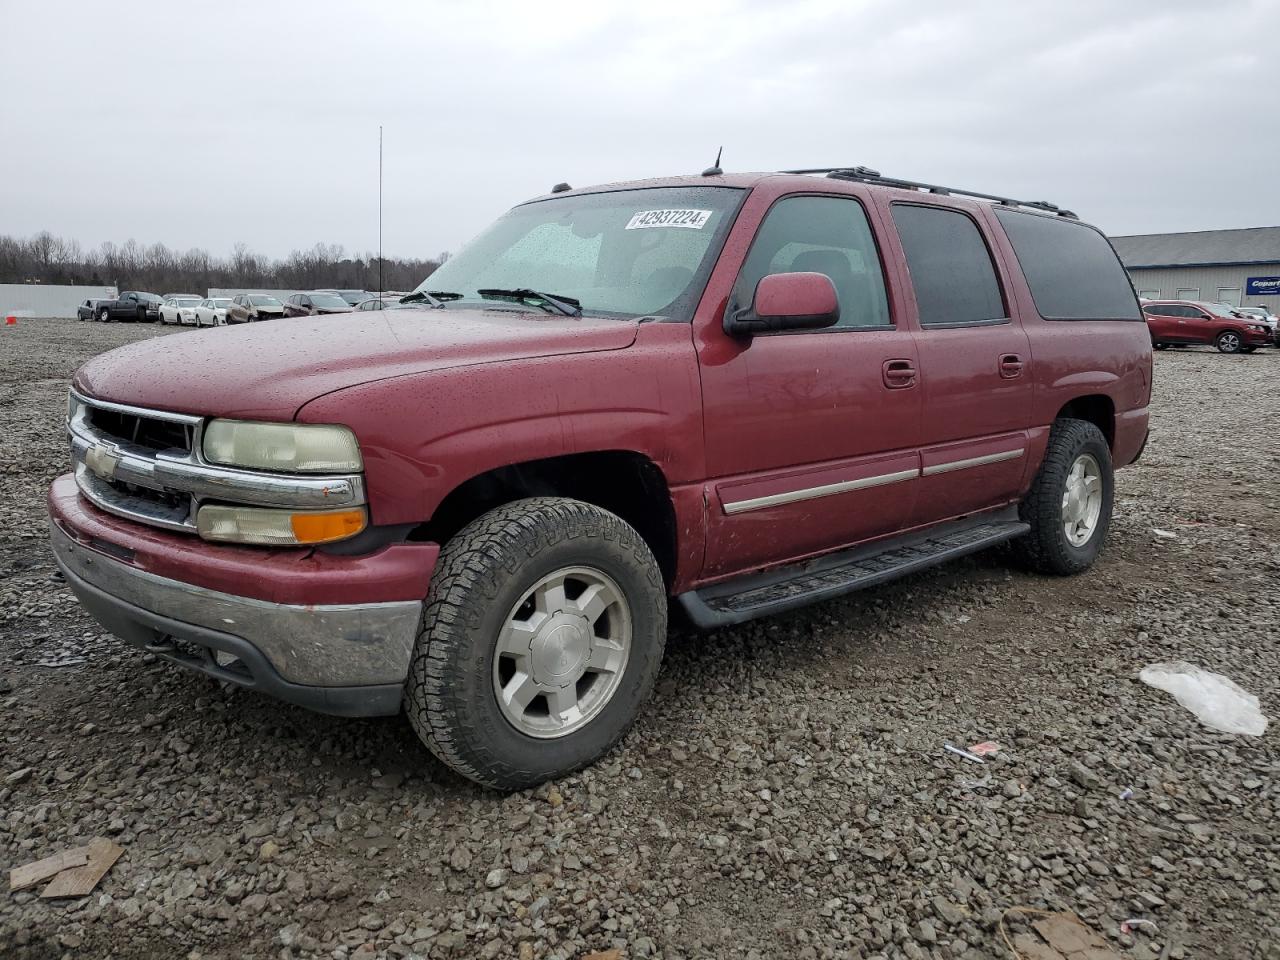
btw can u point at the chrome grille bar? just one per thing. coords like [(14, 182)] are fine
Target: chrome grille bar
[(111, 471)]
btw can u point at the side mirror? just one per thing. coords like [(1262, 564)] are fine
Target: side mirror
[(787, 301)]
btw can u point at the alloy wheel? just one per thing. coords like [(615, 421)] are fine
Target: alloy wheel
[(1082, 500), (561, 652)]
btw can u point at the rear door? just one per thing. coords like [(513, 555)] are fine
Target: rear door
[(1162, 321), (975, 364)]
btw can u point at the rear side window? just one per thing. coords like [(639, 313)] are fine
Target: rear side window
[(1071, 269), (951, 269)]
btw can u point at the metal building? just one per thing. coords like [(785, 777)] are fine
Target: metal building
[(47, 299), (1239, 267)]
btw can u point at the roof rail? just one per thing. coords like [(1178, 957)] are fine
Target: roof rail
[(867, 175)]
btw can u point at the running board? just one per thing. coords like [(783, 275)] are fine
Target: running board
[(833, 575)]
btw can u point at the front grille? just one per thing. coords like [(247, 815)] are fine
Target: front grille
[(141, 431), (146, 465), (161, 508)]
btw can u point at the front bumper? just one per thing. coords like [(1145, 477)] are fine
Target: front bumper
[(345, 658)]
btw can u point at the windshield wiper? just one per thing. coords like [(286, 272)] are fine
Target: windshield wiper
[(568, 306), (422, 296)]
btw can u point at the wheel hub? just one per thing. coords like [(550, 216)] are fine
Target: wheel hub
[(560, 650)]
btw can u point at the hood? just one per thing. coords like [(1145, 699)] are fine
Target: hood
[(268, 371)]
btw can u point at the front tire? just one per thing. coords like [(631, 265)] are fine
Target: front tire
[(104, 316), (1228, 341), (542, 636), (1069, 505)]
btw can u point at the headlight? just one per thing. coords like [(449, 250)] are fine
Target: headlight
[(280, 528), (291, 447)]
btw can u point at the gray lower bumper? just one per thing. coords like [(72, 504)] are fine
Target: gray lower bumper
[(349, 659)]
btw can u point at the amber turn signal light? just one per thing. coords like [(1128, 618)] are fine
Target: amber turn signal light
[(327, 527)]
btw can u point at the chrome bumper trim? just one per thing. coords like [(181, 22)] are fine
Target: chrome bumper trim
[(331, 645)]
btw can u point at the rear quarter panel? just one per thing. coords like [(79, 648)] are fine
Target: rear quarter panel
[(1080, 358)]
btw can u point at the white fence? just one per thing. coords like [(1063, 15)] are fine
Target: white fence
[(47, 299)]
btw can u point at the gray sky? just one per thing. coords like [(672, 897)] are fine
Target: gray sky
[(207, 123)]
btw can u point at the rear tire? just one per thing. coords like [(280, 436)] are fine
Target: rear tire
[(1068, 526), (1228, 341), (499, 651)]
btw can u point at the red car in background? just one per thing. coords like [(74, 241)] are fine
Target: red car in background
[(1189, 322)]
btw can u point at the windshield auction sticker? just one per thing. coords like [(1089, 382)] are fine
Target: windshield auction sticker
[(692, 219)]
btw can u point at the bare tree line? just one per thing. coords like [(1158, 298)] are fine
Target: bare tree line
[(45, 258)]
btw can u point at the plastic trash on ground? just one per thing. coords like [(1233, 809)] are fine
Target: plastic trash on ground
[(1215, 700)]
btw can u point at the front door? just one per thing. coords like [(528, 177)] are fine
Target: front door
[(975, 364), (810, 435)]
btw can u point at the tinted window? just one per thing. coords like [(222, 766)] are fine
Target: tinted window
[(828, 235), (1071, 269), (951, 269)]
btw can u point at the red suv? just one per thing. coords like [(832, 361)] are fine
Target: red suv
[(1187, 322), (737, 394)]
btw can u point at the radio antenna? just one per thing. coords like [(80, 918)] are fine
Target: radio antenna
[(714, 170), (379, 211)]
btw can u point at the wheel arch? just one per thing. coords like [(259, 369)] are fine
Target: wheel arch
[(624, 482), (1096, 408)]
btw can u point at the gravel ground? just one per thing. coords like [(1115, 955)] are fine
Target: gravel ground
[(785, 794)]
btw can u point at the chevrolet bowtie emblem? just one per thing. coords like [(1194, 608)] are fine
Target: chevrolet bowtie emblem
[(102, 459)]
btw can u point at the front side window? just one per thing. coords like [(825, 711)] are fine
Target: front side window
[(950, 266), (1072, 270), (624, 253), (827, 235)]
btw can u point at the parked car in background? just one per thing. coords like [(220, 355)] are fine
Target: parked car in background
[(89, 309), (129, 306), (179, 308), (248, 307), (387, 301), (1266, 316), (315, 304), (212, 312), (351, 296), (479, 513), (1191, 322)]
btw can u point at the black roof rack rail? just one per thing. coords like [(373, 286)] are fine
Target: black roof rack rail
[(867, 175)]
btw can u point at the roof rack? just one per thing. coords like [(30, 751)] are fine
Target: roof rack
[(867, 175)]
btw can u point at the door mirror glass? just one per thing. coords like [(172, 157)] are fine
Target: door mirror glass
[(788, 301)]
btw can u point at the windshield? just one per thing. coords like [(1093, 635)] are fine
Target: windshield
[(329, 301), (222, 302), (261, 301), (624, 253), (188, 301)]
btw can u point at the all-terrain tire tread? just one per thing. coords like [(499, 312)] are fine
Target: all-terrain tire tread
[(471, 568), (1044, 549)]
